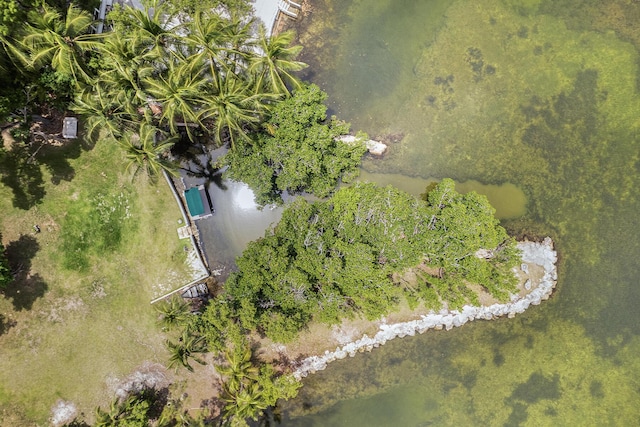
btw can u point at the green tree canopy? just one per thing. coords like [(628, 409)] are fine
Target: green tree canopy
[(342, 257), (298, 152), (61, 42)]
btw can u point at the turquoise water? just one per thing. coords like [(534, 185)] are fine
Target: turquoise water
[(541, 97)]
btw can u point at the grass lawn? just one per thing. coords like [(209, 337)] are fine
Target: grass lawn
[(78, 318)]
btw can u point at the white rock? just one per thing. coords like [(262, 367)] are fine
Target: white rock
[(375, 147)]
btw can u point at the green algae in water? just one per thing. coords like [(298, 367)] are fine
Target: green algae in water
[(498, 91)]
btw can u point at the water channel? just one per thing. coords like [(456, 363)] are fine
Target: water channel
[(535, 103)]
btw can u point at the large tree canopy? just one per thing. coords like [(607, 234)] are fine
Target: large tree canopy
[(298, 152), (206, 75), (344, 256)]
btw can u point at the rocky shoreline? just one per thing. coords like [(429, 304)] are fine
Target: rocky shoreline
[(533, 253)]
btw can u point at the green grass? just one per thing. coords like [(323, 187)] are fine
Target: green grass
[(79, 319)]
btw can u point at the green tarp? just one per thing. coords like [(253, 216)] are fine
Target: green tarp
[(194, 202)]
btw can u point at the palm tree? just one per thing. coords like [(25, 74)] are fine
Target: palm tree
[(132, 411), (179, 91), (147, 31), (173, 312), (102, 112), (245, 403), (117, 410), (273, 69), (60, 42), (208, 37), (124, 71), (233, 109), (185, 349), (145, 152), (239, 369), (239, 47)]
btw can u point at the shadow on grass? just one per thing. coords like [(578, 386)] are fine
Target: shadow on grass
[(20, 168), (27, 287), (23, 176)]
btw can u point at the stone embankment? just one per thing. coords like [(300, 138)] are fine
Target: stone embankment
[(533, 253)]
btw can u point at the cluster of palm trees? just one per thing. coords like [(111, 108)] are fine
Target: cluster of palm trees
[(249, 387), (241, 391), (156, 78), (175, 314)]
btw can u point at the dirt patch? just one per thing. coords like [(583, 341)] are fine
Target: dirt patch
[(202, 387), (316, 339), (58, 310)]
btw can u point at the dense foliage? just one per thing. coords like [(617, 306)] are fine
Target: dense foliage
[(250, 387), (298, 153), (142, 409), (158, 76), (205, 75), (349, 255)]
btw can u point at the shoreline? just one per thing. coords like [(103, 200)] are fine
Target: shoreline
[(537, 253)]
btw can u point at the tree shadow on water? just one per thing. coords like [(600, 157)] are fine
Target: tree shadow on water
[(27, 287), (198, 163)]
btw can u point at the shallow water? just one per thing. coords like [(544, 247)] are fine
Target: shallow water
[(508, 200), (541, 97), (235, 222)]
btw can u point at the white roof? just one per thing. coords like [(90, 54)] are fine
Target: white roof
[(267, 12)]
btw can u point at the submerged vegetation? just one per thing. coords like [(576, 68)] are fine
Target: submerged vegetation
[(558, 117)]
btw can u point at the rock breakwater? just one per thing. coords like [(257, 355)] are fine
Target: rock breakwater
[(540, 254)]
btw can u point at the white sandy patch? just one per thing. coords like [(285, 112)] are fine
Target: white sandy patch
[(146, 377), (63, 413)]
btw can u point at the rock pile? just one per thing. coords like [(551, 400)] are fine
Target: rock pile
[(541, 254), (376, 148)]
